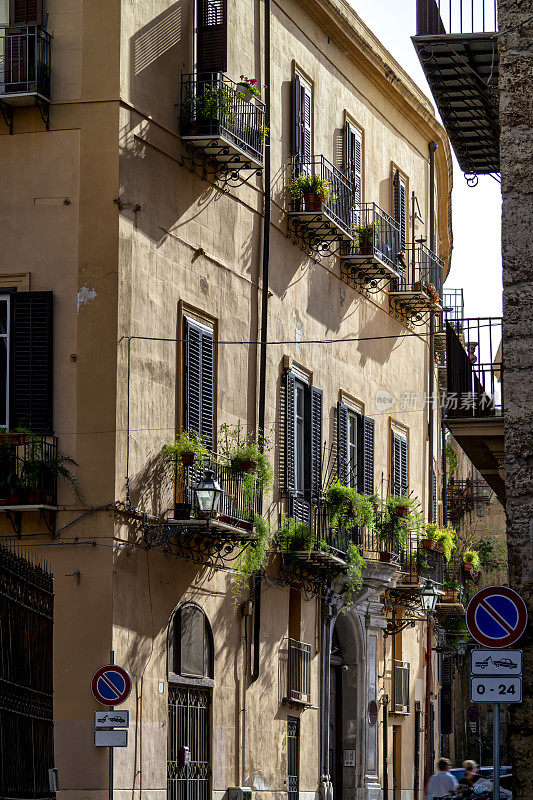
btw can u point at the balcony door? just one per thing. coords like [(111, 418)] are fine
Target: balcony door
[(335, 717), (211, 36)]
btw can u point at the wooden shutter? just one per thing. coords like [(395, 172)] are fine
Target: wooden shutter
[(399, 465), (25, 12), (307, 122), (315, 442), (403, 458), (434, 499), (296, 113), (31, 401), (342, 442), (446, 696), (398, 202), (299, 509), (199, 380), (290, 466), (211, 53), (354, 167), (368, 456)]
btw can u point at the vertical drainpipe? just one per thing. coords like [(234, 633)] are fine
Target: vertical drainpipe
[(431, 382), (264, 310)]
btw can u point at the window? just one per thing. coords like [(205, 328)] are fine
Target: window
[(26, 12), (355, 448), (401, 687), (26, 354), (211, 36), (199, 379), (353, 147), (302, 127), (399, 200), (303, 437), (190, 643), (399, 463), (4, 361)]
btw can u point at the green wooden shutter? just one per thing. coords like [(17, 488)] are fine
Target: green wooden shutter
[(368, 456), (290, 467), (212, 34), (342, 442), (199, 381), (31, 400), (315, 442)]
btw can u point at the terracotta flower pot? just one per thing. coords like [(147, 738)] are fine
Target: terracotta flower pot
[(469, 570), (312, 202), (431, 544), (17, 439), (365, 249), (248, 465), (402, 511), (385, 556), (15, 499), (450, 597), (417, 287), (187, 458)]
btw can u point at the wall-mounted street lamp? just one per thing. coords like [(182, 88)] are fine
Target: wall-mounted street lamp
[(208, 493), (429, 597)]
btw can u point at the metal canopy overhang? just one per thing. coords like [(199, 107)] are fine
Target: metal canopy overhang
[(457, 68), (482, 440)]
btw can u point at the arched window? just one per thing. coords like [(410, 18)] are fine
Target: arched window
[(190, 646)]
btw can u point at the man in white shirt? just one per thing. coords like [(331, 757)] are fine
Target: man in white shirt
[(442, 783)]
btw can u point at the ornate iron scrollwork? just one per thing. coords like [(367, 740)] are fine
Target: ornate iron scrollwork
[(220, 163)]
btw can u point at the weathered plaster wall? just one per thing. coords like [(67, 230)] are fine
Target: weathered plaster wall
[(516, 117)]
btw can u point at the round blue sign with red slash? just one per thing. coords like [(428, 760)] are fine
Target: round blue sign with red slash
[(496, 616), (111, 685)]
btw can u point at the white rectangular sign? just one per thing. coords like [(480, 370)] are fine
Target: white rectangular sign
[(496, 662), (496, 690), (111, 719), (117, 738)]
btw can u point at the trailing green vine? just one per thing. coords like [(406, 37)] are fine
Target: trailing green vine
[(253, 559), (293, 536), (247, 459), (354, 574), (346, 504)]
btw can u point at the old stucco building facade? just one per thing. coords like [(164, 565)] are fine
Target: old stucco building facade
[(144, 247)]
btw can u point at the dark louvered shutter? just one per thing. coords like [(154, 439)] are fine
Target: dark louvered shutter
[(25, 12), (299, 509), (434, 498), (315, 442), (199, 381), (212, 36), (446, 696), (403, 458), (295, 121), (398, 202), (32, 361), (354, 168), (290, 466), (342, 442), (399, 465), (368, 456)]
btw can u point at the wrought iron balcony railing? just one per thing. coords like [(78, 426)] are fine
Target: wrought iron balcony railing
[(216, 117), (237, 505), (437, 17), (25, 64), (474, 368), (419, 564), (419, 287), (373, 251), (400, 686), (299, 672), (326, 218), (28, 470)]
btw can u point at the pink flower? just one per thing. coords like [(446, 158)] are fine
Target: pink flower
[(242, 76)]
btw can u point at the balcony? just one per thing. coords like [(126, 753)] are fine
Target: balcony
[(400, 687), (457, 50), (463, 495), (28, 477), (321, 223), (419, 287), (474, 407), (25, 66), (214, 539), (219, 125), (420, 563), (372, 255), (299, 673)]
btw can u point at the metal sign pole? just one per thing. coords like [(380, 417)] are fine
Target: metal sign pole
[(111, 749), (496, 750)]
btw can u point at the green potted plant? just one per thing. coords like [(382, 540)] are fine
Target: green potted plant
[(399, 506), (312, 189), (247, 459), (452, 591), (253, 559), (346, 503), (447, 538), (294, 537), (353, 578), (247, 88), (363, 238), (188, 448), (37, 473), (431, 542), (471, 562)]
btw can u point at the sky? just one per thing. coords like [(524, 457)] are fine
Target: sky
[(476, 212)]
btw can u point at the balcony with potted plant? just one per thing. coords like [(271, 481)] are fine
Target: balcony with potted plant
[(320, 204), (418, 290), (222, 122), (30, 467), (371, 258), (25, 67)]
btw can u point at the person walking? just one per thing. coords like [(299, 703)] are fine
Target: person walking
[(471, 777), (442, 783)]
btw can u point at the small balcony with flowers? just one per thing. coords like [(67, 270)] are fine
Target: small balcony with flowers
[(372, 258), (217, 501), (320, 205), (222, 123), (418, 290)]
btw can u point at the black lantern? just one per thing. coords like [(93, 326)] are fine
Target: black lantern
[(429, 597), (208, 493)]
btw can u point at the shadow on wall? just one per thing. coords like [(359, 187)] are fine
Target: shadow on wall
[(159, 51)]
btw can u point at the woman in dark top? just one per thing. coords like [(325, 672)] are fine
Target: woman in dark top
[(471, 774)]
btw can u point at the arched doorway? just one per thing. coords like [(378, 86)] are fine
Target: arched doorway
[(190, 682)]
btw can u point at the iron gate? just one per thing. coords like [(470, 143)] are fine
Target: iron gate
[(188, 726), (26, 680), (293, 757)]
